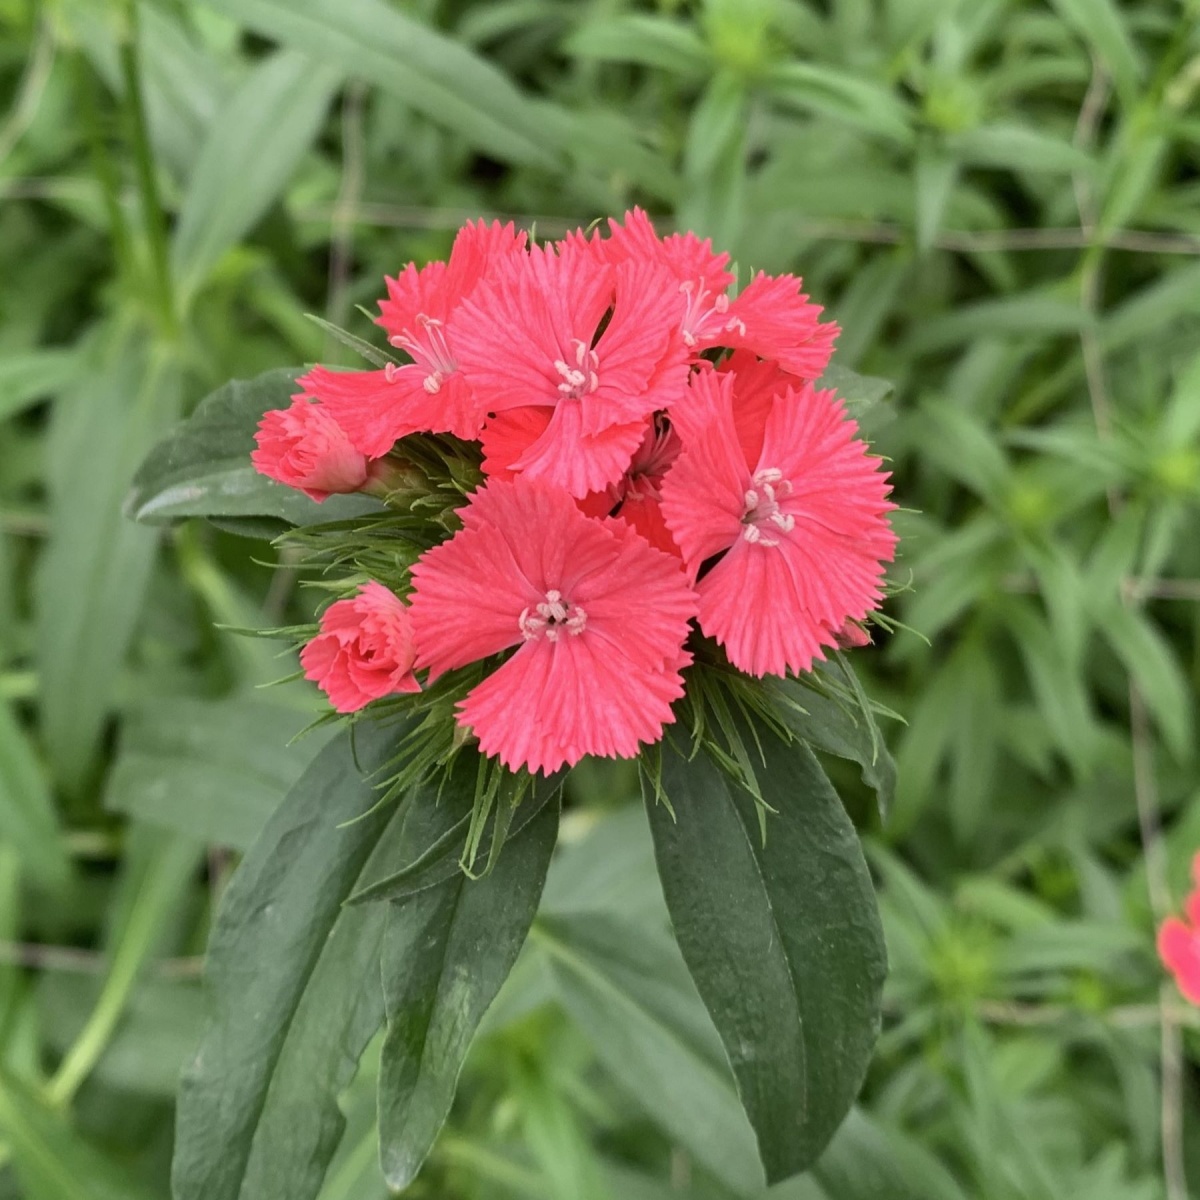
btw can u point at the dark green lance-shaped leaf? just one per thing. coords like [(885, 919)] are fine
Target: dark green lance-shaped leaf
[(839, 727), (781, 935), (202, 468), (294, 977), (384, 46), (446, 952)]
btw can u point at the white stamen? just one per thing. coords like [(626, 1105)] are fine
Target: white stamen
[(581, 379), (761, 507), (550, 618), (428, 349), (703, 312)]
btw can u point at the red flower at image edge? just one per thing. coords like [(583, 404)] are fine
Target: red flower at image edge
[(1179, 942)]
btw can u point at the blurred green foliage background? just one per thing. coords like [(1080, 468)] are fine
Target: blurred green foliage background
[(999, 201)]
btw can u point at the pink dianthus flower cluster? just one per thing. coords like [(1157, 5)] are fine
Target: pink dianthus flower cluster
[(656, 454)]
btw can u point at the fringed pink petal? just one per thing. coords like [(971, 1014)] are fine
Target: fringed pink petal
[(775, 320), (703, 494), (507, 435), (568, 458), (552, 543), (533, 312), (1179, 950), (748, 603), (437, 289), (756, 383), (639, 600), (467, 601), (644, 515), (554, 702), (377, 408)]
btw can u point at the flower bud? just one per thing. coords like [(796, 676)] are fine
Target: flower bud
[(365, 649), (304, 447)]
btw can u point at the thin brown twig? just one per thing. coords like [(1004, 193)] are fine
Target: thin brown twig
[(1128, 1016), (36, 956), (1140, 586)]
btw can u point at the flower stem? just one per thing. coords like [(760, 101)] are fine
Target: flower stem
[(151, 202)]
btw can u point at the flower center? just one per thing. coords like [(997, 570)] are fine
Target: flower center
[(581, 378), (552, 618), (429, 350), (762, 517), (705, 313)]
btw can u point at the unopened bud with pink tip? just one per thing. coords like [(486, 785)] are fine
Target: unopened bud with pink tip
[(304, 447)]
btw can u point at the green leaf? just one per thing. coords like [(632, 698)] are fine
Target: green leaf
[(26, 378), (663, 43), (836, 728), (294, 979), (52, 1161), (28, 821), (1019, 148), (867, 1161), (92, 578), (202, 468), (781, 935), (861, 393), (446, 952), (1100, 24), (213, 769), (369, 40), (629, 991), (253, 146), (1148, 657), (834, 93)]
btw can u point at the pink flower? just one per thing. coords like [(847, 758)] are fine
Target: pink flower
[(597, 616), (799, 531), (635, 497), (771, 317), (1179, 942), (376, 408), (365, 649), (570, 356), (304, 447)]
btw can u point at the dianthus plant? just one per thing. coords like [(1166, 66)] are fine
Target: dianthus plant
[(589, 502)]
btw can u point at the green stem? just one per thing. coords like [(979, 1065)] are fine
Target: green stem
[(152, 209), (102, 164)]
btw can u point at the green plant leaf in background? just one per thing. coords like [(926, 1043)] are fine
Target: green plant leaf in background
[(92, 580), (446, 951), (369, 40), (628, 989), (250, 153), (780, 931), (202, 468), (27, 816)]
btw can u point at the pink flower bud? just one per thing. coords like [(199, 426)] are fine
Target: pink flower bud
[(365, 649), (304, 447)]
